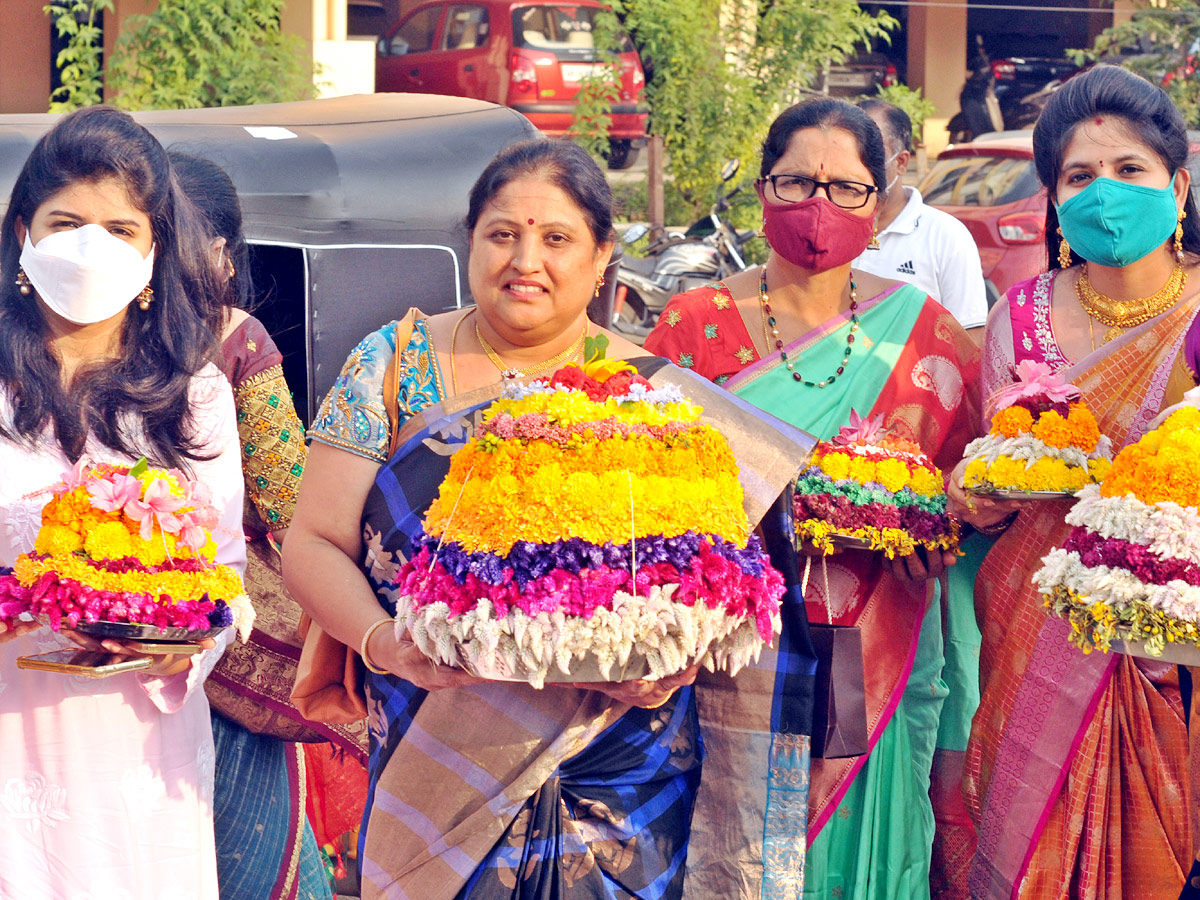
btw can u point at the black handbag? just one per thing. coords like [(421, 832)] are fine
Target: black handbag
[(840, 704)]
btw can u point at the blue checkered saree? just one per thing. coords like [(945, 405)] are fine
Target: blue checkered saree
[(503, 792)]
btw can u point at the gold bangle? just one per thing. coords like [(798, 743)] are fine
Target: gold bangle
[(362, 650)]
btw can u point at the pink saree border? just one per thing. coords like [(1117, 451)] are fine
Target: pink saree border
[(1034, 759)]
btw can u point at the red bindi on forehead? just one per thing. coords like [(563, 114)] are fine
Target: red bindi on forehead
[(1099, 120), (531, 221)]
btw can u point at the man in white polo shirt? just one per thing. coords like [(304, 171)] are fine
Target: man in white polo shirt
[(917, 243)]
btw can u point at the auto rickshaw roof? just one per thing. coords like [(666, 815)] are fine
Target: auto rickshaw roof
[(368, 168)]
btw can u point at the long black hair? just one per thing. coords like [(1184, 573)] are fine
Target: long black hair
[(137, 403), (1110, 90), (822, 113), (211, 190)]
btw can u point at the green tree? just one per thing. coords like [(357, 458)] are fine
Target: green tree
[(598, 90), (195, 53), (1156, 43), (723, 69), (79, 62)]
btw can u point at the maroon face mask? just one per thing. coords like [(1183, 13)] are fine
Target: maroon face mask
[(816, 233)]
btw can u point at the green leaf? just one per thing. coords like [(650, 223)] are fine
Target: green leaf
[(594, 348), (139, 468)]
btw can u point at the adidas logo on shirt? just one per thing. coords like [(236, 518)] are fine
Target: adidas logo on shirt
[(906, 268)]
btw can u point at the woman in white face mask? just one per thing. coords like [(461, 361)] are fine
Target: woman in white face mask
[(105, 785)]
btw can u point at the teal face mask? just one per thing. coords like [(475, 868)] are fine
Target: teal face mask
[(1114, 223)]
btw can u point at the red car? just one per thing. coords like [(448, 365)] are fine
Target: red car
[(530, 55), (991, 187)]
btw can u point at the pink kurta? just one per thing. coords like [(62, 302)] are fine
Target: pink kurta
[(106, 785)]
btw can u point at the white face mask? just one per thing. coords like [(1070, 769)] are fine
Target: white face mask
[(86, 275), (887, 162)]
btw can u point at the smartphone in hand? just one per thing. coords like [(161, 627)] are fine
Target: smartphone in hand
[(88, 663)]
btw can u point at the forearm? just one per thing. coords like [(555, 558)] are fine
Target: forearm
[(329, 586)]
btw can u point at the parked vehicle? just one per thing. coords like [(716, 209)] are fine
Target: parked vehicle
[(674, 262), (861, 74), (991, 186), (1018, 76), (530, 55), (352, 206)]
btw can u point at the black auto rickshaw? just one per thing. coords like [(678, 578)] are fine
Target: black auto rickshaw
[(352, 207)]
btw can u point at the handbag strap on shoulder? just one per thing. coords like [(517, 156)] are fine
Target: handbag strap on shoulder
[(391, 378)]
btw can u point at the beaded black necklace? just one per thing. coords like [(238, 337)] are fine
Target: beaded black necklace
[(764, 302)]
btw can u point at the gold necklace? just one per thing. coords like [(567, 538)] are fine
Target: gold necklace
[(764, 304), (508, 372), (453, 341), (1120, 315)]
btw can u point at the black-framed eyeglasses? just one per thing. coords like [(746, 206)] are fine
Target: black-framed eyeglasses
[(846, 194)]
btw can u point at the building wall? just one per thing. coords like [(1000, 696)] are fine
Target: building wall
[(24, 57)]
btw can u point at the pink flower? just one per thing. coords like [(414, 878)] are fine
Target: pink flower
[(159, 505), (1034, 380), (113, 493), (860, 430), (73, 478)]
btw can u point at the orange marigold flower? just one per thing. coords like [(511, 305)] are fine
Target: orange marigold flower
[(1012, 421)]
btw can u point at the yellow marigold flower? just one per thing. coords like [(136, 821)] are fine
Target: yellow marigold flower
[(1098, 469), (892, 474), (975, 473), (862, 470), (58, 540), (836, 465), (1085, 431), (1186, 417), (1012, 421), (109, 540), (929, 484)]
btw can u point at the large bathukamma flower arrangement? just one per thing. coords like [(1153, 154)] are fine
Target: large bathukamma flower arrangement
[(126, 545), (592, 529), (1130, 569), (1042, 438), (874, 487)]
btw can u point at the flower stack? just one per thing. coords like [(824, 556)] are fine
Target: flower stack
[(876, 487), (1042, 438), (1130, 569), (129, 545), (592, 529)]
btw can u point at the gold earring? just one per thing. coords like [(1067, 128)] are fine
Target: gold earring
[(24, 285), (1179, 237), (762, 230), (874, 244), (1064, 252), (599, 284), (145, 297)]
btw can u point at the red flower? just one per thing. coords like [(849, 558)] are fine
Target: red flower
[(571, 377)]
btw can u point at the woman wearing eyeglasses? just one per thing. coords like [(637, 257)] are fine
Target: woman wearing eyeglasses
[(808, 339)]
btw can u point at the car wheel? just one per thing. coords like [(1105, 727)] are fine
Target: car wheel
[(622, 155)]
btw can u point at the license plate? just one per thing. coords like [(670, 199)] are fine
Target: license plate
[(573, 73), (848, 79)]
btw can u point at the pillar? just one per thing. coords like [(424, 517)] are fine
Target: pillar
[(937, 62)]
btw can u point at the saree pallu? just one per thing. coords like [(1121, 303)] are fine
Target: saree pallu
[(502, 791), (1077, 767), (766, 825)]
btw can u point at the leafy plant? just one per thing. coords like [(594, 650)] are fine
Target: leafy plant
[(79, 62), (599, 89), (912, 101), (196, 53), (1160, 42), (721, 71)]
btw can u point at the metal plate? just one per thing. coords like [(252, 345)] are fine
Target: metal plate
[(1178, 654), (1002, 494), (128, 631), (850, 542)]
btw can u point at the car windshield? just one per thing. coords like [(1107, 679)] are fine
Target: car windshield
[(979, 181), (560, 28)]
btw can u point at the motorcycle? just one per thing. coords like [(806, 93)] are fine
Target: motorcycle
[(674, 262)]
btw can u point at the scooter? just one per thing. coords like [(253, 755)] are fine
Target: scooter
[(675, 262), (979, 110)]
